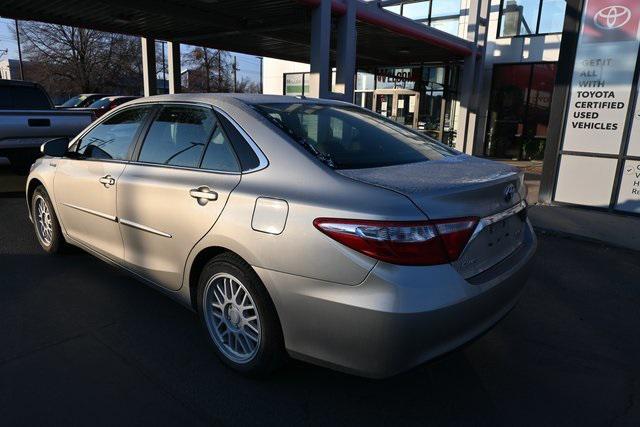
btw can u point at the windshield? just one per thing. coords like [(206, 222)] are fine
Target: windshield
[(101, 103), (351, 137), (75, 101)]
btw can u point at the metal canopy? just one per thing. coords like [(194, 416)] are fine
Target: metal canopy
[(273, 28)]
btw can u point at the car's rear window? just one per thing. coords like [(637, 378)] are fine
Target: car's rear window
[(351, 137), (75, 101), (23, 98), (100, 103)]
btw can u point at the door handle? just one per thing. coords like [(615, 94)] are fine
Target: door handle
[(107, 181), (203, 194)]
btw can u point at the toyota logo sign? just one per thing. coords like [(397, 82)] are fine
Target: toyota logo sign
[(612, 17)]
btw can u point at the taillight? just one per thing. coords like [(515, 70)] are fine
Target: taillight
[(400, 242)]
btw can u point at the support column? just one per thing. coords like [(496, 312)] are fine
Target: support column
[(470, 81), (346, 52), (466, 126), (149, 75), (319, 77), (175, 77)]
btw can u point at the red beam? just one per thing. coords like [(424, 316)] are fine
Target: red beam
[(388, 22)]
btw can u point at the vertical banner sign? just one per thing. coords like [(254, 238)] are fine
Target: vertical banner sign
[(634, 141), (603, 75)]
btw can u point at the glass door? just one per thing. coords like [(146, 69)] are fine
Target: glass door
[(384, 104)]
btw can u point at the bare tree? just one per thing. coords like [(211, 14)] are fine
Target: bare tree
[(211, 70), (71, 60), (246, 85)]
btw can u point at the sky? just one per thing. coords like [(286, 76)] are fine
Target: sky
[(248, 65)]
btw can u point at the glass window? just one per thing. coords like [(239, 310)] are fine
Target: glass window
[(393, 9), (441, 8), (552, 16), (519, 17), (519, 110), (247, 157), (450, 26), (75, 101), (177, 136), (6, 100), (293, 84), (28, 97), (101, 103), (351, 137), (219, 155), (418, 10), (523, 17), (365, 81), (441, 14), (112, 138)]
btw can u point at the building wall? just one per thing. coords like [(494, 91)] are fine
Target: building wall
[(508, 50), (272, 74), (9, 69)]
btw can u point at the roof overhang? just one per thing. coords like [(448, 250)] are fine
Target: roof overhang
[(273, 28)]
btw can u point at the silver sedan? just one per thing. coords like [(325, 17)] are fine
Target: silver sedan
[(294, 227)]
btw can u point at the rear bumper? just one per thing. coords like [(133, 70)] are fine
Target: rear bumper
[(399, 317)]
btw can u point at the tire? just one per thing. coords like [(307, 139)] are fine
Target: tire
[(45, 222), (231, 326)]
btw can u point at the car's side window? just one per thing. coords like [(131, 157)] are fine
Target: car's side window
[(247, 157), (112, 138), (178, 136), (219, 155)]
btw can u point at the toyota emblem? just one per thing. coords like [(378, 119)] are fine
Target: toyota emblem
[(612, 17)]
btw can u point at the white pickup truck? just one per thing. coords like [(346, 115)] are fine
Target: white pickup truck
[(28, 118)]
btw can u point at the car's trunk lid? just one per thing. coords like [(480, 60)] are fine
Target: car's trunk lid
[(461, 186)]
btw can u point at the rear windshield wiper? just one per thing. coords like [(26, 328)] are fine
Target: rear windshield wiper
[(324, 158)]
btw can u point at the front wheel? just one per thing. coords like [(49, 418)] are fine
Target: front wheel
[(238, 314), (45, 222)]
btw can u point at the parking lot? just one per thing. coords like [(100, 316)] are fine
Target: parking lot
[(83, 343)]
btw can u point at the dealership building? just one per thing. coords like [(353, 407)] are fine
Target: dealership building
[(510, 79), (588, 137), (519, 43)]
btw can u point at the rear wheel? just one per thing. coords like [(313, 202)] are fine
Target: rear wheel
[(45, 222), (237, 312)]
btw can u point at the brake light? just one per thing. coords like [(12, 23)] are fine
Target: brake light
[(402, 242)]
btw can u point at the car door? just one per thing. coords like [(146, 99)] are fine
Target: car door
[(171, 196), (85, 185)]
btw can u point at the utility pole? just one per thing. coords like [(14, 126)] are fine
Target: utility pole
[(261, 73), (261, 88), (164, 67), (235, 69), (219, 70), (207, 69), (19, 51)]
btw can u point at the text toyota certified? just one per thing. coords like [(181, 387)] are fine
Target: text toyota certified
[(308, 228)]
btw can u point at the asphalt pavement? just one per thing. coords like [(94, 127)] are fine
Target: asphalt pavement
[(82, 343)]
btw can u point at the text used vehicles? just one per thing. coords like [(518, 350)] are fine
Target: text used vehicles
[(310, 228)]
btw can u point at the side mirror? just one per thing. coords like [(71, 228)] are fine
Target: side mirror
[(55, 147)]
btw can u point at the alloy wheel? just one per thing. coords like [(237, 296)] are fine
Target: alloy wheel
[(43, 220), (232, 318)]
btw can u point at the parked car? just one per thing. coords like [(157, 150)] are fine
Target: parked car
[(28, 118), (311, 228), (108, 103), (83, 100)]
